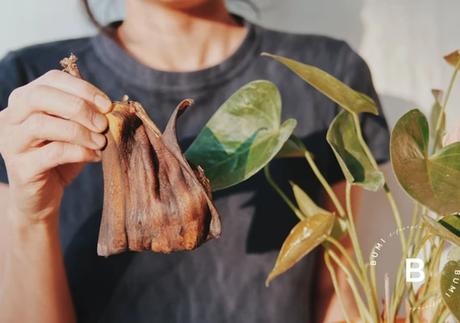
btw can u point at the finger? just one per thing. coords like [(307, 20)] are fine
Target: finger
[(43, 98), (77, 87), (40, 127), (58, 153)]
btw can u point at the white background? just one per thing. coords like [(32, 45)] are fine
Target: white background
[(402, 40)]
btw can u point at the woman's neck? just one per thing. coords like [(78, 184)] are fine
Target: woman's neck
[(175, 39)]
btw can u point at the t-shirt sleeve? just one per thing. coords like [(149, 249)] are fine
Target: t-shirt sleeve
[(356, 74), (10, 78)]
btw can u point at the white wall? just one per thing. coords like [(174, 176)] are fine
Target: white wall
[(402, 40)]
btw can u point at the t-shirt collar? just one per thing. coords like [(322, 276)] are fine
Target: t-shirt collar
[(133, 71)]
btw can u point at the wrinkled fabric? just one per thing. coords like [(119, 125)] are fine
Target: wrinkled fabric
[(223, 280)]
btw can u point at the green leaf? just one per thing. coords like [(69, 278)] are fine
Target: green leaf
[(306, 205), (330, 86), (350, 150), (452, 223), (302, 239), (309, 208), (242, 136), (440, 230), (292, 148), (450, 287), (433, 181), (453, 58), (436, 111)]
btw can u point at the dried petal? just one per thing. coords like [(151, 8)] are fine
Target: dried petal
[(153, 198)]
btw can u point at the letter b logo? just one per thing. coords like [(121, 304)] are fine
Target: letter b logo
[(414, 270)]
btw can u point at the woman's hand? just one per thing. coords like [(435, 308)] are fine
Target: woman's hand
[(51, 127)]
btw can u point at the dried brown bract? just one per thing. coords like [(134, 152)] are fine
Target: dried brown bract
[(153, 198)]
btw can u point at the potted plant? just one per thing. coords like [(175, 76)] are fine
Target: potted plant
[(237, 142), (428, 172)]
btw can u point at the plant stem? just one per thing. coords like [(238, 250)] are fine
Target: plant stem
[(438, 313), (325, 184), (358, 253), (388, 193), (400, 285), (364, 313), (434, 261), (387, 298), (350, 261), (444, 105), (397, 217), (280, 192), (444, 314), (333, 274), (413, 230), (352, 228)]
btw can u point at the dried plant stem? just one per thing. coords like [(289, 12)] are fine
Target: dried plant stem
[(325, 184), (338, 292), (69, 65), (280, 192)]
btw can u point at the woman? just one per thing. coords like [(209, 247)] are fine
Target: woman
[(51, 136)]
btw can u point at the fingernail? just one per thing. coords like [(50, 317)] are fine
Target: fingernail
[(100, 121), (98, 139), (103, 103)]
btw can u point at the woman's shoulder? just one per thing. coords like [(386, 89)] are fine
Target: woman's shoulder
[(301, 43), (21, 66), (32, 61), (331, 54)]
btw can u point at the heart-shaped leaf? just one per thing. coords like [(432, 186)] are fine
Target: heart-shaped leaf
[(433, 181), (242, 136), (453, 58), (303, 238), (306, 205), (450, 287), (440, 230), (350, 150), (452, 223), (330, 86)]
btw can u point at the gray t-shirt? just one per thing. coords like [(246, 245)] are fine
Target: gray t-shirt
[(223, 280)]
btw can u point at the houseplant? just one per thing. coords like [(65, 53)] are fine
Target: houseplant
[(429, 173), (432, 179)]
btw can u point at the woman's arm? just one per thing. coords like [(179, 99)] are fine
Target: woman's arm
[(32, 275), (327, 303), (50, 129)]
